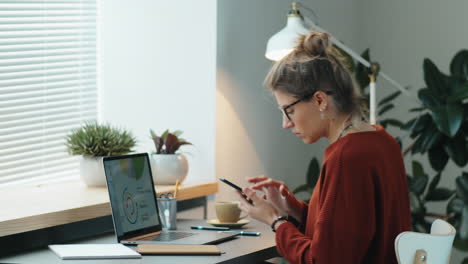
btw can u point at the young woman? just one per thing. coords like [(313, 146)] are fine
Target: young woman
[(360, 203)]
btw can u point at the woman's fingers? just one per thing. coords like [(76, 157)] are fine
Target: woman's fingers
[(257, 179), (266, 183)]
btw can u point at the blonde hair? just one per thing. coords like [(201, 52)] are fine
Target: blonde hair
[(315, 65)]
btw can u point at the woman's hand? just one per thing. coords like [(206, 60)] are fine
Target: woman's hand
[(260, 210), (276, 192)]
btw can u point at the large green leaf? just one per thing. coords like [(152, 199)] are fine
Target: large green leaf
[(389, 98), (419, 180), (448, 118), (438, 158), (434, 78), (429, 98), (439, 194), (422, 122), (313, 172), (456, 149), (462, 187), (459, 64), (458, 90)]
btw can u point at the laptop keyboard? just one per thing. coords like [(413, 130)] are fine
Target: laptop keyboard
[(169, 236)]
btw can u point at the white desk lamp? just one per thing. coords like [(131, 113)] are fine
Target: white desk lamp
[(283, 42)]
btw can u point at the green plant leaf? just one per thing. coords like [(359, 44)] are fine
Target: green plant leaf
[(428, 98), (455, 206), (438, 158), (448, 118), (420, 124), (463, 228), (417, 109), (392, 122), (313, 172), (459, 90), (459, 64), (389, 98), (409, 124), (419, 180), (434, 182), (416, 206), (177, 133), (456, 149), (462, 187), (385, 108), (439, 194), (434, 78), (303, 188)]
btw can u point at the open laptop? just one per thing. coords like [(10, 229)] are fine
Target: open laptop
[(135, 209)]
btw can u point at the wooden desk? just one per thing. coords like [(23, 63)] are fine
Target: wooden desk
[(244, 249), (37, 207), (36, 216)]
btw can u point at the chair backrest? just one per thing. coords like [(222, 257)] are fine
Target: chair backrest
[(434, 248)]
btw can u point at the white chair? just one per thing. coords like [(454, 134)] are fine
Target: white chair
[(419, 248)]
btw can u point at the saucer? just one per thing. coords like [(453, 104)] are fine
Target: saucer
[(238, 224)]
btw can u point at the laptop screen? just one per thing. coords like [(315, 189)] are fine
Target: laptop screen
[(132, 195)]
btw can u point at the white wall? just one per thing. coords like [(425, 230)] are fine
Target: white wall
[(249, 137), (158, 71)]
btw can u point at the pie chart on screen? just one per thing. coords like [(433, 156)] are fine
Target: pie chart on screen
[(130, 207)]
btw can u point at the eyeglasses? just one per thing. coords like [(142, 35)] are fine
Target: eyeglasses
[(285, 108)]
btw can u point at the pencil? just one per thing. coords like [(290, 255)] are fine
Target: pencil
[(176, 188)]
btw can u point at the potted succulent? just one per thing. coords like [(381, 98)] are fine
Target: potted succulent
[(167, 166), (93, 141)]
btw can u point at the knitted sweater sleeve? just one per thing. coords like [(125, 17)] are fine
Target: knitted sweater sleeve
[(344, 227)]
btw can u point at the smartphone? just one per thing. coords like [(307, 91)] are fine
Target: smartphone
[(231, 184), (239, 189)]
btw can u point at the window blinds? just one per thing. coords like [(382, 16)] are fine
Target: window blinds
[(47, 85)]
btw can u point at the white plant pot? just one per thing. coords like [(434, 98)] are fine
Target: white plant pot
[(92, 171), (168, 168)]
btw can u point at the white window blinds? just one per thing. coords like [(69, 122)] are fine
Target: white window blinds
[(47, 85)]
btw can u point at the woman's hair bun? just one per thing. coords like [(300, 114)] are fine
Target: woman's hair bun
[(314, 43)]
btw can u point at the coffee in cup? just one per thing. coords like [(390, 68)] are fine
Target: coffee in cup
[(228, 212)]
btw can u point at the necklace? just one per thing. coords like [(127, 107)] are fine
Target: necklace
[(344, 130)]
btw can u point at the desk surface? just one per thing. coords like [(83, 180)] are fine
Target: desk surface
[(37, 207), (244, 249)]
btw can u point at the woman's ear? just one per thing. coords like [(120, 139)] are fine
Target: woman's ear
[(320, 100)]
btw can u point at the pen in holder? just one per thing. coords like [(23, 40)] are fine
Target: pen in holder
[(168, 211)]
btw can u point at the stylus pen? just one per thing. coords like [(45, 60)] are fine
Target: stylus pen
[(210, 228), (244, 233)]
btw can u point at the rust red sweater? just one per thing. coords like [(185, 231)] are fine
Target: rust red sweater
[(359, 205)]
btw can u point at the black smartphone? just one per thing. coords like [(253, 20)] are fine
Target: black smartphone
[(231, 184), (236, 187)]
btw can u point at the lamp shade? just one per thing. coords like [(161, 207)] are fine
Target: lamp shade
[(283, 42)]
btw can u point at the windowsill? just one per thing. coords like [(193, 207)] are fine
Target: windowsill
[(36, 207)]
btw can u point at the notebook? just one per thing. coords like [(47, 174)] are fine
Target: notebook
[(135, 209), (178, 249), (94, 251)]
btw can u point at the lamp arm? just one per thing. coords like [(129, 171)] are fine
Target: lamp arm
[(356, 56)]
